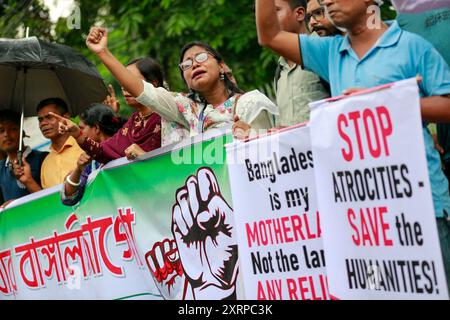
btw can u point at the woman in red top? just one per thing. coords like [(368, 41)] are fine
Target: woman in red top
[(141, 133)]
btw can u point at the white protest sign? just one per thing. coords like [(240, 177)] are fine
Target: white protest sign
[(276, 217), (377, 214)]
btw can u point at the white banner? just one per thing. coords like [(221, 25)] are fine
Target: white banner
[(378, 221), (276, 218)]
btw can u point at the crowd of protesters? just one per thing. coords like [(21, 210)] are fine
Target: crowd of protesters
[(327, 48)]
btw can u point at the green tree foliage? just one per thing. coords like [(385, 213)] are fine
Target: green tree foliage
[(15, 16), (160, 28), (387, 11)]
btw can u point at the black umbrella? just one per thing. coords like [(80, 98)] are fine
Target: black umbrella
[(32, 70)]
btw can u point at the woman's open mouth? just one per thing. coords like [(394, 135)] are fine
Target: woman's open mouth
[(198, 74)]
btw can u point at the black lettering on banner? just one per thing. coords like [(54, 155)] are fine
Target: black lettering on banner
[(379, 183), (262, 264), (274, 200), (278, 166), (409, 234), (401, 276)]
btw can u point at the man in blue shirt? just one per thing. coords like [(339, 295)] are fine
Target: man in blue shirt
[(15, 181), (367, 57)]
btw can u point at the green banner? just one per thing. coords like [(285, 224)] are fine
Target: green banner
[(160, 228)]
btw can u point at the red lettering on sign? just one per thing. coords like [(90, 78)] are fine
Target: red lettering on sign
[(369, 229)]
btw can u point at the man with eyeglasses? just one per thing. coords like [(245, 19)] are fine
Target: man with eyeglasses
[(367, 57), (317, 21), (295, 88)]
